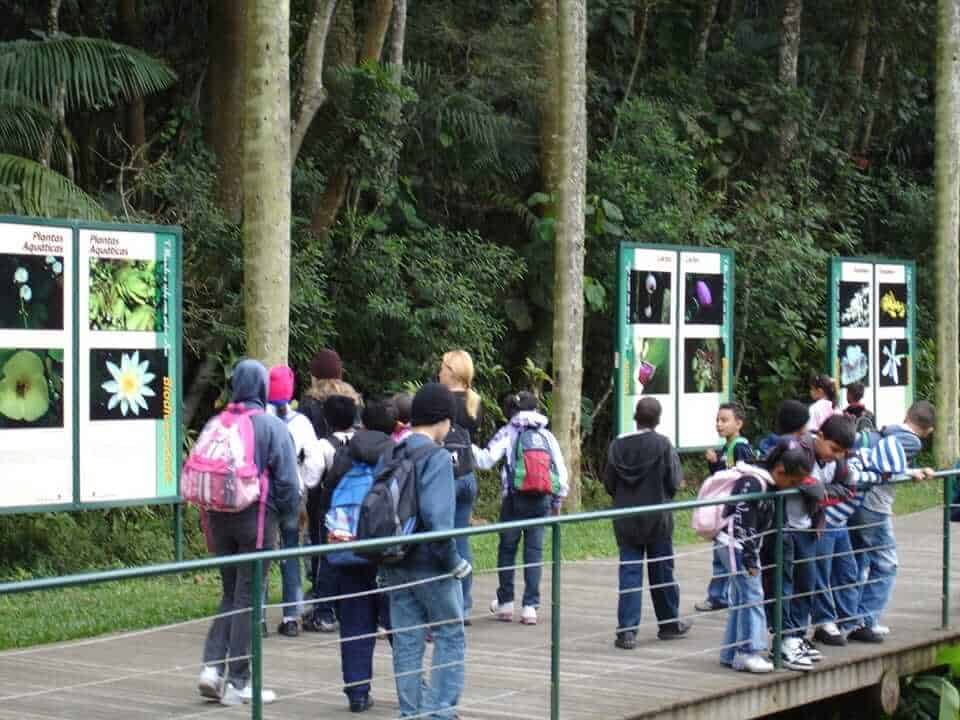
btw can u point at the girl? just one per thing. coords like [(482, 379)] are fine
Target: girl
[(823, 392), (456, 372), (745, 643), (521, 409)]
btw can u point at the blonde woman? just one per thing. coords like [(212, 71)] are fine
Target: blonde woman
[(456, 372)]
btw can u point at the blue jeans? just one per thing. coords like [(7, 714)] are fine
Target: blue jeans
[(290, 570), (358, 619), (746, 624), (440, 602), (799, 578), (522, 507), (466, 496), (666, 600), (837, 595), (718, 591), (877, 565)]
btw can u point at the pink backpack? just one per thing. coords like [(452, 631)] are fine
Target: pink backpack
[(708, 520), (221, 475)]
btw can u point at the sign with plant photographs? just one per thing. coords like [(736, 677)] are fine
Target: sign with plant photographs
[(675, 338), (872, 321), (89, 364)]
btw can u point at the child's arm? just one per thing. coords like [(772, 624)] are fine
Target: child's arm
[(674, 479), (716, 462), (562, 474), (498, 447)]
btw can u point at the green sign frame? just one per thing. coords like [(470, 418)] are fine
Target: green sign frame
[(167, 340), (672, 263)]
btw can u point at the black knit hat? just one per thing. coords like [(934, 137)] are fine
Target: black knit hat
[(432, 404), (792, 417)]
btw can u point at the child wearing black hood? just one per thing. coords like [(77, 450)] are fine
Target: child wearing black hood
[(643, 468)]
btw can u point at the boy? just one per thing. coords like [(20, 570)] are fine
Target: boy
[(836, 566), (736, 449), (873, 537), (863, 419), (644, 469)]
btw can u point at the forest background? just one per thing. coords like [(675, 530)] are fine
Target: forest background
[(423, 141)]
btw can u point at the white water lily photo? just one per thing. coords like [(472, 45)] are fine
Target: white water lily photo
[(126, 384)]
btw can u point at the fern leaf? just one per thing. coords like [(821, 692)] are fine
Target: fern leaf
[(95, 72), (44, 192), (25, 125)]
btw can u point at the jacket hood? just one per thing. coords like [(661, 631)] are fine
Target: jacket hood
[(249, 383), (637, 455), (529, 418), (368, 446)]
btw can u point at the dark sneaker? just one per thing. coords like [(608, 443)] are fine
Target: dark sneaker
[(865, 635), (328, 625), (289, 628), (675, 631), (829, 634), (626, 641), (709, 605), (361, 704)]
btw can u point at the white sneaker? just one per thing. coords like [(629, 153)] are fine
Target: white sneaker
[(810, 650), (881, 629), (232, 696), (753, 663), (794, 656), (529, 615), (210, 683), (503, 612)]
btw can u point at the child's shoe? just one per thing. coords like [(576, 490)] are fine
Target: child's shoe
[(529, 615), (793, 655), (753, 663), (810, 650), (210, 683), (709, 605), (502, 611), (829, 634), (626, 640)]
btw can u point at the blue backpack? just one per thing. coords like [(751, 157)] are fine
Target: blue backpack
[(344, 514)]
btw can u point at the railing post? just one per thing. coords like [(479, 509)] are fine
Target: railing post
[(178, 532), (555, 626), (778, 587), (256, 641), (947, 501)]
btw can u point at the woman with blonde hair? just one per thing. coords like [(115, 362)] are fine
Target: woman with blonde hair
[(456, 372)]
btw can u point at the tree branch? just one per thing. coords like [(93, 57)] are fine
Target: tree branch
[(311, 95)]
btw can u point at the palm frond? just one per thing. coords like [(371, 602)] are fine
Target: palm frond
[(38, 190), (25, 126), (95, 72)]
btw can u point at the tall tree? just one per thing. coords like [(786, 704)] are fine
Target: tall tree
[(707, 15), (947, 179), (225, 90), (569, 247), (59, 108), (311, 94), (130, 14), (789, 57), (266, 180), (545, 16), (855, 62)]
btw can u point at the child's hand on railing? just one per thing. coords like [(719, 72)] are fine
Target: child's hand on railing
[(711, 455), (922, 474), (753, 572)]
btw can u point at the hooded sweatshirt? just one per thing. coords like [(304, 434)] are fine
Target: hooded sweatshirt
[(504, 443), (273, 446), (642, 469)]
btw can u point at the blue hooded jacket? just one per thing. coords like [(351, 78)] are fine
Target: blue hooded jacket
[(274, 449)]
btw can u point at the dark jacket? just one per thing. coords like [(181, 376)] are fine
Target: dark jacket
[(642, 469), (739, 451), (274, 450), (751, 519), (366, 446)]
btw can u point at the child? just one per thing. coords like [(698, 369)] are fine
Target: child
[(863, 419), (823, 392), (745, 641), (643, 469), (730, 419), (836, 567), (359, 615), (873, 537), (792, 419), (528, 425), (310, 465), (403, 403)]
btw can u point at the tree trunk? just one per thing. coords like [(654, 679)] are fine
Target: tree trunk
[(398, 37), (789, 56), (131, 29), (733, 15), (312, 94), (707, 16), (551, 150), (947, 181), (225, 88), (641, 23), (569, 245), (872, 110), (854, 64), (59, 108), (266, 180), (378, 22)]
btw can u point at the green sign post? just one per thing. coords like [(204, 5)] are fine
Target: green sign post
[(675, 337), (872, 337), (90, 364)]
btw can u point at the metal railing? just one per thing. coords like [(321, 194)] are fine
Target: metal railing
[(258, 562)]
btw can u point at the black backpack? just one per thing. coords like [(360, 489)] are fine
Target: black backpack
[(459, 445), (391, 508)]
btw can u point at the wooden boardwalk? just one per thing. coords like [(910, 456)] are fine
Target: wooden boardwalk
[(152, 674)]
